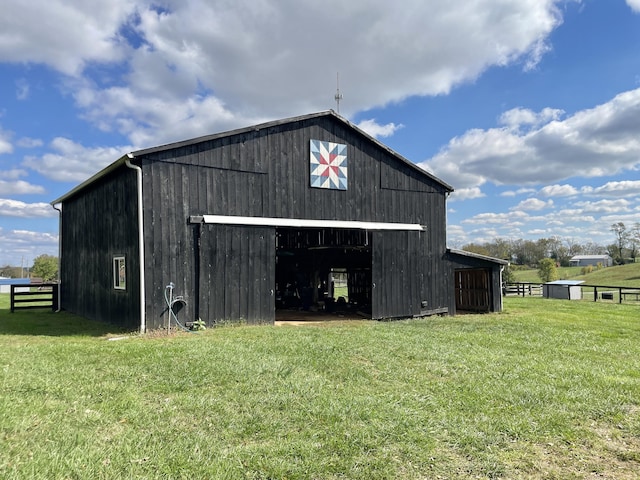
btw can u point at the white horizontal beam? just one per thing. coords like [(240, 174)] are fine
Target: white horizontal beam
[(304, 223)]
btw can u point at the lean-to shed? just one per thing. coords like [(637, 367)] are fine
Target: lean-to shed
[(241, 224), (477, 281)]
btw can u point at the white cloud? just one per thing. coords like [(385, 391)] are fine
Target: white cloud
[(604, 140), (634, 4), (149, 121), (520, 191), (622, 188), (22, 246), (466, 194), (555, 223), (5, 141), (19, 187), (498, 218), (376, 130), (13, 174), (558, 191), (519, 117), (195, 67), (27, 142), (15, 208), (533, 204), (605, 206), (63, 34), (22, 89), (71, 162)]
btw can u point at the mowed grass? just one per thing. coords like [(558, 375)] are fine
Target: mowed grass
[(547, 389), (620, 275)]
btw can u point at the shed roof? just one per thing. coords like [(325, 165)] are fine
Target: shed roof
[(486, 258), (565, 282), (327, 113)]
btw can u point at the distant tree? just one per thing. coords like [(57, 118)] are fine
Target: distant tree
[(501, 248), (10, 272), (622, 237), (591, 248), (529, 252), (45, 267), (612, 251), (508, 274), (478, 249), (634, 240), (573, 247), (547, 270), (558, 251)]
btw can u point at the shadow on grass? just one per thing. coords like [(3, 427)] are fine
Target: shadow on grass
[(47, 323)]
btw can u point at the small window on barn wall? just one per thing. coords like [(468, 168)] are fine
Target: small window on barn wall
[(119, 273), (328, 165)]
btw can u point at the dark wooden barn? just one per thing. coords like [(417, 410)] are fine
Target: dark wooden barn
[(303, 213)]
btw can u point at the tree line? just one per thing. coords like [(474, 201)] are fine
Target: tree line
[(623, 249), (44, 267)]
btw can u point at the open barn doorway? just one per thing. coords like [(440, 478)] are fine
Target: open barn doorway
[(473, 290), (322, 272)]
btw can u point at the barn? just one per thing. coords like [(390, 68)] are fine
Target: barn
[(593, 260), (243, 225)]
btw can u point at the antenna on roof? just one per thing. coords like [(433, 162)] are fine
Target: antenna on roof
[(338, 95)]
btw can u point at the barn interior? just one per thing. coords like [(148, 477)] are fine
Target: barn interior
[(322, 272)]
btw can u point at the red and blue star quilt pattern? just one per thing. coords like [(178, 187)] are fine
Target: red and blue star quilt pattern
[(328, 165)]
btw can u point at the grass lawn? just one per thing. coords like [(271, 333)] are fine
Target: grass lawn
[(621, 275), (548, 389)]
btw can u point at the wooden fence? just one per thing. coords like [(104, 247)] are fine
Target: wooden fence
[(523, 289), (614, 293), (41, 295)]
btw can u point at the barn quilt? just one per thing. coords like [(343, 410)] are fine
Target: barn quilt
[(328, 165)]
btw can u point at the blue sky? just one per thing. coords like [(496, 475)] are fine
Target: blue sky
[(530, 109)]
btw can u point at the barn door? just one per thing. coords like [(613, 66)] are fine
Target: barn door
[(237, 274), (396, 274), (473, 291)]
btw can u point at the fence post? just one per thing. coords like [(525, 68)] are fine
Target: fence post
[(620, 293), (595, 294), (54, 299)]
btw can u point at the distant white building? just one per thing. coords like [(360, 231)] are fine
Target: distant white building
[(586, 260)]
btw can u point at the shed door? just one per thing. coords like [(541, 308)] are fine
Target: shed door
[(473, 290)]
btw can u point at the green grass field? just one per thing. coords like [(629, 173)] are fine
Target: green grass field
[(548, 389), (621, 275)]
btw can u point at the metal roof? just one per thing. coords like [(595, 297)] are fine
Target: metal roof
[(464, 253), (565, 282)]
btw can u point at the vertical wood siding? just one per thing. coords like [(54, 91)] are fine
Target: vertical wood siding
[(98, 224), (237, 279)]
